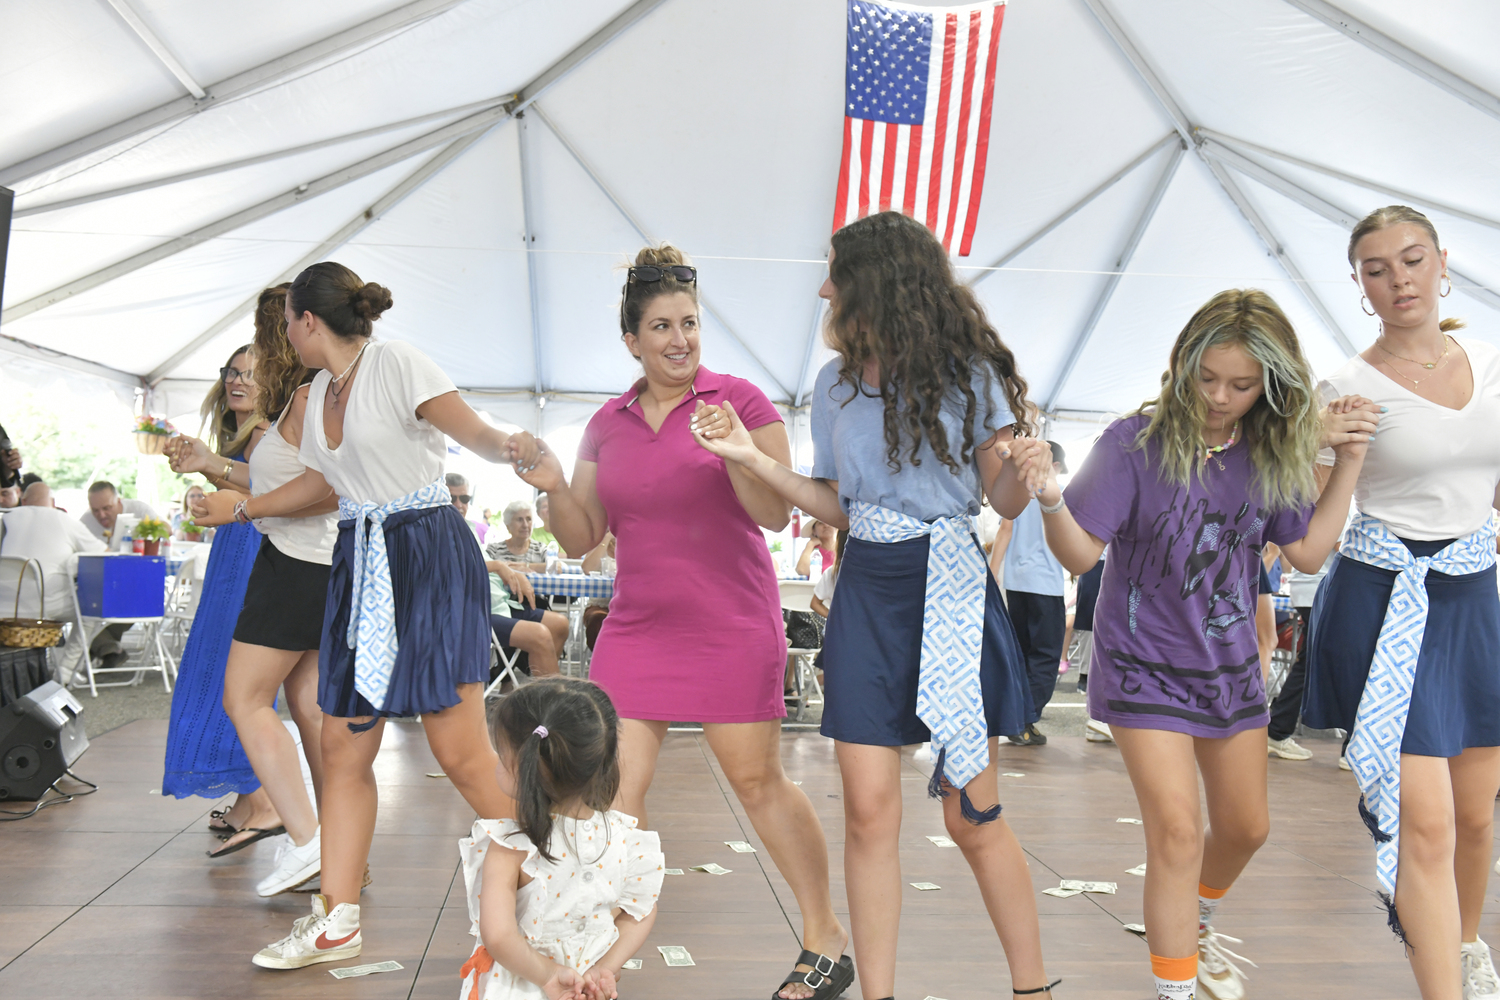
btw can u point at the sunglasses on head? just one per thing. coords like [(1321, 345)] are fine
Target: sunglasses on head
[(463, 498), (647, 272)]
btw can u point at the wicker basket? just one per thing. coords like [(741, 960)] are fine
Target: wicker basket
[(30, 633), (150, 444)]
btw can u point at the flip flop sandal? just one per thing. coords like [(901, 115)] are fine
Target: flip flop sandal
[(219, 825), (259, 835), (827, 978)]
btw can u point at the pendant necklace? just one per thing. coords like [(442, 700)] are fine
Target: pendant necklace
[(336, 389), (1218, 449), (1429, 365)]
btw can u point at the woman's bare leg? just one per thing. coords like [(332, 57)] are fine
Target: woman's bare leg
[(1239, 817), (640, 745), (535, 640), (460, 740), (349, 804), (251, 679), (1476, 777), (783, 817), (1426, 896), (872, 860), (999, 865), (301, 687)]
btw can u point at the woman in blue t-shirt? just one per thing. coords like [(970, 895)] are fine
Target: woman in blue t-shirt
[(911, 424)]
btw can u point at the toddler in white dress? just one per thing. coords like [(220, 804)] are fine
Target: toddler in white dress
[(562, 897)]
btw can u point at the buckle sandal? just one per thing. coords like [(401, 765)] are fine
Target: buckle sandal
[(827, 978), (1040, 989)]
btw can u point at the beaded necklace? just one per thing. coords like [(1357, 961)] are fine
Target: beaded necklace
[(1218, 449)]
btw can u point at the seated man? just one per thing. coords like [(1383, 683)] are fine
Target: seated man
[(37, 494), (55, 540), (105, 505)]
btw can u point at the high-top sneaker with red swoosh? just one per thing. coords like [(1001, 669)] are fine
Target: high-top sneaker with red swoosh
[(321, 936)]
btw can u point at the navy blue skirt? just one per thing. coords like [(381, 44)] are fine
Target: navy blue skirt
[(442, 596), (872, 650), (1455, 701)]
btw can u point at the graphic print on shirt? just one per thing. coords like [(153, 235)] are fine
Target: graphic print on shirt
[(1211, 545)]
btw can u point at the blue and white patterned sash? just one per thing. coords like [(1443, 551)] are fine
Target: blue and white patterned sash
[(372, 610), (1375, 747), (950, 699)]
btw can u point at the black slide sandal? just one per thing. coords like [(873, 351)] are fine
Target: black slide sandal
[(259, 835), (827, 978)]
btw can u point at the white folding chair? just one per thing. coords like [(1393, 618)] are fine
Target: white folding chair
[(507, 666), (151, 643), (796, 595)]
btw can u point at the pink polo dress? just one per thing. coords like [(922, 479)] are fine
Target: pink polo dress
[(694, 632)]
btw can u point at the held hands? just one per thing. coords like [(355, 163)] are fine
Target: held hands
[(188, 454), (565, 984), (1032, 458), (721, 432), (1349, 424), (216, 508), (523, 451), (541, 469)]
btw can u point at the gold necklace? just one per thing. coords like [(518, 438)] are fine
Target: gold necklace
[(1429, 365)]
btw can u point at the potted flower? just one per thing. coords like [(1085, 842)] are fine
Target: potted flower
[(151, 434), (190, 531), (150, 531)]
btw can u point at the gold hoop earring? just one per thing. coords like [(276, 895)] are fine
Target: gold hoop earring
[(1450, 287), (1362, 304)]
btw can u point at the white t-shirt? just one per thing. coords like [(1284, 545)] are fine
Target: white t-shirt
[(54, 539), (1430, 473), (823, 589), (387, 451), (273, 464)]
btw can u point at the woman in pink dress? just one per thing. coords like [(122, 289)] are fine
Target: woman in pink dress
[(695, 629)]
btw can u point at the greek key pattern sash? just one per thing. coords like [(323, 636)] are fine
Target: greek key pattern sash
[(372, 611), (950, 700), (1375, 748)]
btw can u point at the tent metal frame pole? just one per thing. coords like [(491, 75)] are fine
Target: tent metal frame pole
[(338, 238), (302, 192), (581, 52), (267, 74), (280, 154), (1382, 44), (529, 239), (1337, 214), (59, 359), (1242, 147), (1231, 190), (1073, 209), (158, 48), (640, 230), (812, 346), (1142, 223)]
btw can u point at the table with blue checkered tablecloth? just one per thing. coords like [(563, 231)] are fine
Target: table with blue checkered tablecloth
[(572, 585), (1281, 602)]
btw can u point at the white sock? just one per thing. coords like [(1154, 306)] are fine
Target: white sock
[(1206, 910), (1172, 989)]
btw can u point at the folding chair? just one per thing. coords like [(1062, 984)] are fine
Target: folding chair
[(507, 666), (151, 642), (796, 595)]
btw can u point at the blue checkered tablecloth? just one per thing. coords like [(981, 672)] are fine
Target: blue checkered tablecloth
[(1281, 602), (572, 585)]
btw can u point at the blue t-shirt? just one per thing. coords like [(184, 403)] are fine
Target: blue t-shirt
[(1030, 566), (849, 446)]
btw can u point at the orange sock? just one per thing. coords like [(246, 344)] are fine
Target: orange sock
[(1207, 893), (1208, 902), (1176, 978)]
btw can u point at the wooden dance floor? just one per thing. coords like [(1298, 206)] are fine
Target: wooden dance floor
[(111, 895)]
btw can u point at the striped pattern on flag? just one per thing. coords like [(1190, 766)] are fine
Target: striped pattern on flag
[(919, 90)]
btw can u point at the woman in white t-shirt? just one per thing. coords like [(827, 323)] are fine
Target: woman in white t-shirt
[(1402, 650), (406, 624)]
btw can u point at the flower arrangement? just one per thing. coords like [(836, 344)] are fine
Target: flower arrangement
[(151, 529), (151, 434)]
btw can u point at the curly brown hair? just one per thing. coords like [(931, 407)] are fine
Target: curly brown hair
[(220, 426), (899, 306), (279, 372)]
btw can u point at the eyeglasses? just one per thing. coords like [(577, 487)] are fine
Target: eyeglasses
[(683, 273), (229, 374), (463, 498)]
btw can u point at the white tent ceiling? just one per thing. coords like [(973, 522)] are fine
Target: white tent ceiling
[(493, 162)]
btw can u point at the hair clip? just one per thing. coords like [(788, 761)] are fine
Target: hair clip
[(541, 732)]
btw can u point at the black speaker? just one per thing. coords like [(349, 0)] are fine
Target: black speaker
[(7, 200), (41, 735)]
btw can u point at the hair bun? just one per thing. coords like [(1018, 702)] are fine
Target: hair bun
[(665, 255), (370, 300)]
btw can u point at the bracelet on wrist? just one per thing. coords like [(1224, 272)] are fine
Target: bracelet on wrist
[(240, 513), (1054, 508)]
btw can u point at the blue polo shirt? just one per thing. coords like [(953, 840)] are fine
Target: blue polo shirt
[(1030, 566)]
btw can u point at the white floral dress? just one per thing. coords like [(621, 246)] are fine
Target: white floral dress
[(567, 909)]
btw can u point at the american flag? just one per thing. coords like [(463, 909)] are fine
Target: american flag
[(919, 85)]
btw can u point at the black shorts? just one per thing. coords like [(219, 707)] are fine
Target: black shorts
[(503, 625), (284, 601)]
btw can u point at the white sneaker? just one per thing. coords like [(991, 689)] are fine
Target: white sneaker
[(1344, 764), (1480, 981), (1287, 749), (1218, 977), (294, 865), (318, 937), (1098, 732)]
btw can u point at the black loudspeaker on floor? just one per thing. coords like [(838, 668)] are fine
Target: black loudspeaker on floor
[(41, 735)]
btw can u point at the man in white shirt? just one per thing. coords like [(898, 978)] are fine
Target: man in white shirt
[(105, 505), (1034, 588), (55, 540)]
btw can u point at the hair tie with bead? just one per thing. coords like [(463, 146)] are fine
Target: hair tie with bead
[(541, 732)]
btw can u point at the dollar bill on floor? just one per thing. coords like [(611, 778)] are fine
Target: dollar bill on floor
[(1133, 822), (942, 841), (676, 955), (1105, 887), (932, 998), (673, 871), (634, 963), (1012, 774), (1134, 929), (712, 869), (436, 774), (739, 847), (1062, 893), (365, 970), (1139, 869), (925, 886)]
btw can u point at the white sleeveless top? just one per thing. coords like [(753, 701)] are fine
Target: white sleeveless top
[(273, 464)]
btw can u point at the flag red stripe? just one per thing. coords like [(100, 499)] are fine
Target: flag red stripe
[(982, 141), (971, 57), (945, 83), (913, 164), (866, 144), (888, 165), (841, 199)]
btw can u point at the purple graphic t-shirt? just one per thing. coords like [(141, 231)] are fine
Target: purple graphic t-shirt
[(1174, 628)]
